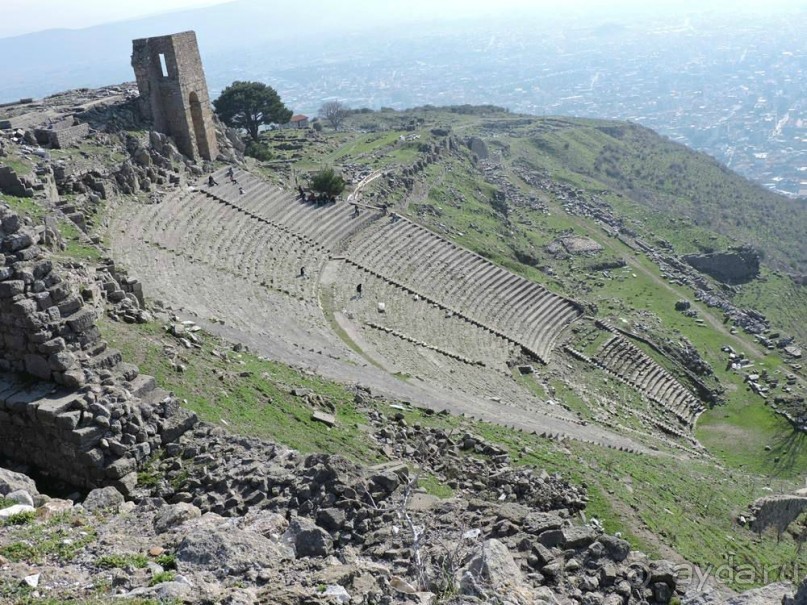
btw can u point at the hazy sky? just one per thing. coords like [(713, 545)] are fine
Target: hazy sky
[(24, 16)]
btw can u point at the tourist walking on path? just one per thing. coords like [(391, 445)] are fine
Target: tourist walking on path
[(358, 291)]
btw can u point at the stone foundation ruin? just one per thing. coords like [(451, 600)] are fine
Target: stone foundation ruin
[(736, 266), (62, 134)]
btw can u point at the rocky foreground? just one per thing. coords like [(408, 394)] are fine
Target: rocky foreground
[(229, 519), (238, 520)]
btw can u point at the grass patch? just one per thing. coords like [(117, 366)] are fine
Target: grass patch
[(739, 435), (118, 561), (76, 245), (57, 538), (162, 576), (167, 560), (434, 486), (23, 518), (17, 164), (249, 395), (25, 206)]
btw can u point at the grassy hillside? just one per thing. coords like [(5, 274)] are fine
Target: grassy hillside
[(668, 178), (658, 503)]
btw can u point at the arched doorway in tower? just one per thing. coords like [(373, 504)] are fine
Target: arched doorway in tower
[(199, 126)]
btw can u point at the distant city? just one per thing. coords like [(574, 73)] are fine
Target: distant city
[(731, 84), (734, 88)]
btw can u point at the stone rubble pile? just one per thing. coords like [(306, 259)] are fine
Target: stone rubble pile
[(329, 532), (507, 533)]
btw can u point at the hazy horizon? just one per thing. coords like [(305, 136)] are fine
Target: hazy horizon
[(723, 77), (35, 16)]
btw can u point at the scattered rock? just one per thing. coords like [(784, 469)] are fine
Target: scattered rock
[(103, 498), (173, 515)]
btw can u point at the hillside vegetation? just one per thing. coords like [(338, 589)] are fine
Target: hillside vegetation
[(665, 177)]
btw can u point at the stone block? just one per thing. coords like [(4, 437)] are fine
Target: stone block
[(69, 420), (81, 320), (17, 241), (552, 538), (69, 305), (40, 337), (11, 223), (26, 306), (11, 288), (93, 457), (30, 253), (119, 468), (578, 536), (53, 406), (105, 498), (61, 361), (177, 425), (42, 268), (59, 291), (36, 365), (85, 438), (538, 522), (52, 346), (324, 418), (73, 379)]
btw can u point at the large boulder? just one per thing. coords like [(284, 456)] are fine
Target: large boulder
[(772, 594), (227, 551), (174, 514), (616, 548), (103, 498), (309, 540), (12, 482), (493, 574), (801, 594)]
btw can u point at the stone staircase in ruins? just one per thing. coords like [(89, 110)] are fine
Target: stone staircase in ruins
[(445, 306), (399, 252), (633, 366)]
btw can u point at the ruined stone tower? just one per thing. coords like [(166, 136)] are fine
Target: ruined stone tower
[(173, 91)]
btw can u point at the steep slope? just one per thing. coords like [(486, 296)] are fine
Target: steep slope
[(664, 177)]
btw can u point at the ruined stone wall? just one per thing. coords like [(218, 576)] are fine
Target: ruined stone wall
[(59, 138), (44, 324), (776, 512), (86, 418), (11, 183), (731, 267), (176, 101)]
